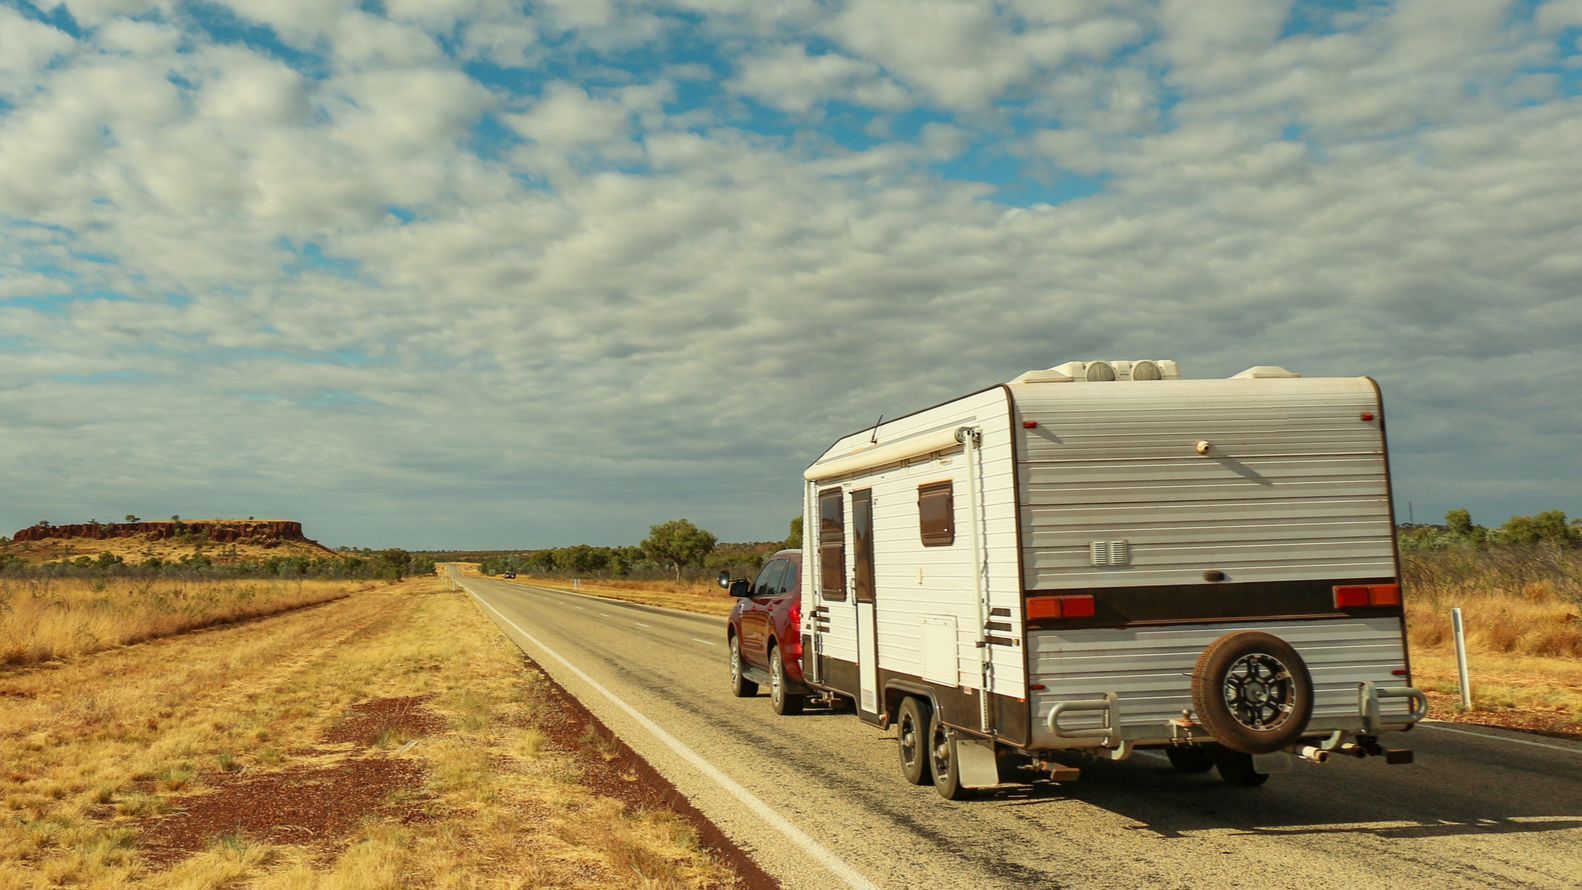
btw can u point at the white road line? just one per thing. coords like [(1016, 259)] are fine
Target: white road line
[(705, 642), (641, 624), (1499, 738), (797, 836), (606, 614)]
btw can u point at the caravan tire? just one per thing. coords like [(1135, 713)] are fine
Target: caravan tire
[(741, 687), (1236, 768), (783, 701), (1252, 692), (911, 740), (942, 760), (1195, 759)]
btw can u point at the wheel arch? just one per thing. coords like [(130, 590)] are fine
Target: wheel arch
[(896, 690)]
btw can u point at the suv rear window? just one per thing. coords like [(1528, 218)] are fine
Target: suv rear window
[(769, 581)]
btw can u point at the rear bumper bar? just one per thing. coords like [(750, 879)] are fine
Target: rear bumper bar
[(1118, 739)]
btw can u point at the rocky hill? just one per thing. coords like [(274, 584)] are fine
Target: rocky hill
[(220, 540)]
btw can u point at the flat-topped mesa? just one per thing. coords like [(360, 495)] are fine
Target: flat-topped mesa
[(259, 532)]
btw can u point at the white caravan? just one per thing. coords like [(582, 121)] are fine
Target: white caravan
[(1103, 557)]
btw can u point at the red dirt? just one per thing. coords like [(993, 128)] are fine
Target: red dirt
[(612, 769), (404, 716), (1555, 724), (311, 807)]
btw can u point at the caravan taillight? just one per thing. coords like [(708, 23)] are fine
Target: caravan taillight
[(1364, 596), (1060, 607)]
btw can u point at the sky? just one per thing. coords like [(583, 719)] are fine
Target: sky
[(476, 273)]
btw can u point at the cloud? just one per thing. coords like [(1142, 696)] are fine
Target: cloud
[(791, 80), (967, 54), (358, 278)]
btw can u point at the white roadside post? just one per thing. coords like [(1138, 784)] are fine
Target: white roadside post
[(1461, 657)]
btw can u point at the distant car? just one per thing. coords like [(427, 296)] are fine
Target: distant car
[(510, 575), (765, 633)]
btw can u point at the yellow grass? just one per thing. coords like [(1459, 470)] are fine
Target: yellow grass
[(1519, 691), (1524, 639), (690, 596), (49, 618), (94, 747)]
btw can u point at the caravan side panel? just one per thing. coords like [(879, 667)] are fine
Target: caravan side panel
[(924, 595)]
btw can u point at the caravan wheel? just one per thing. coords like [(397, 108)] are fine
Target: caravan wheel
[(1237, 768), (911, 740), (1196, 759), (943, 760)]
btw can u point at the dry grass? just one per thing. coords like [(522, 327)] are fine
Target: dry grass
[(51, 618), (1522, 610), (690, 596), (95, 748)]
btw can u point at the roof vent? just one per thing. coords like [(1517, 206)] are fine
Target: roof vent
[(1258, 372), (1100, 372), (1097, 372)]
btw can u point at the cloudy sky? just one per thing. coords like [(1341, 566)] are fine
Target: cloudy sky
[(484, 273)]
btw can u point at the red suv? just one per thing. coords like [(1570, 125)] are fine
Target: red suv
[(765, 633)]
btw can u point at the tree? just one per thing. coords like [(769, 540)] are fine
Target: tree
[(1548, 527), (175, 517), (677, 543), (132, 518), (794, 540)]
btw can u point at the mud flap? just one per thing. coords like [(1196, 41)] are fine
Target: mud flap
[(975, 759)]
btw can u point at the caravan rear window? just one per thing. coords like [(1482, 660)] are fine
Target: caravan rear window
[(936, 514), (832, 544)]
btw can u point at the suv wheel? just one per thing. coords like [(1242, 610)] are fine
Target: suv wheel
[(784, 702), (741, 687)]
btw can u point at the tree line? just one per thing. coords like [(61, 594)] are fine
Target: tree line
[(676, 549), (391, 564), (1548, 528)]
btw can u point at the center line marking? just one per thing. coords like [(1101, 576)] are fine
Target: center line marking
[(641, 624), (705, 642), (796, 835)]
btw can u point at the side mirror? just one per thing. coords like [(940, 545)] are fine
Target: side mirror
[(741, 587), (725, 580)]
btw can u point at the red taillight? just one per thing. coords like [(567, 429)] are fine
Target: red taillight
[(1364, 596), (1354, 597), (1077, 606), (1385, 594), (1367, 415), (1059, 607), (1029, 424)]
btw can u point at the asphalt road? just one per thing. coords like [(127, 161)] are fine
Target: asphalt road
[(1480, 808)]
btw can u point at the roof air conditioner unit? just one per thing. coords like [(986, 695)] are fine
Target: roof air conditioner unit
[(1261, 371)]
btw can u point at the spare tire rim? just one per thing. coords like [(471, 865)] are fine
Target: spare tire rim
[(1259, 691)]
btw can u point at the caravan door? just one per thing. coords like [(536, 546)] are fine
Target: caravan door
[(863, 599)]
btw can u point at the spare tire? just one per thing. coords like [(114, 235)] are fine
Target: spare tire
[(1252, 692)]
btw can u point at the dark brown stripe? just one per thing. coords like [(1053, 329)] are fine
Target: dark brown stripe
[(1189, 603)]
